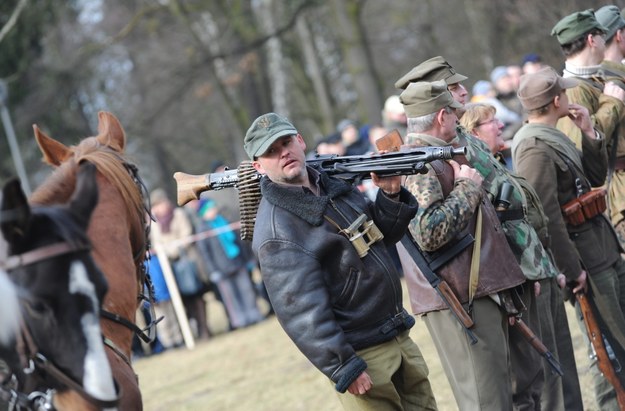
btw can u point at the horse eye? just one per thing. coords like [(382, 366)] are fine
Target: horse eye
[(37, 307)]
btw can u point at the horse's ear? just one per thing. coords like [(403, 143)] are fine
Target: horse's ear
[(110, 131), (15, 211), (85, 197), (54, 152)]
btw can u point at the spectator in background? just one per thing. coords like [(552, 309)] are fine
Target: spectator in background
[(332, 144), (505, 94), (356, 140), (173, 225), (393, 116), (531, 63), (482, 90), (228, 267), (514, 72)]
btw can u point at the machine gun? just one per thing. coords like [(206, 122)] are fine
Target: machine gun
[(350, 168)]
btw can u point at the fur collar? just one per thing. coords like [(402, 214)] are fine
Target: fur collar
[(302, 203)]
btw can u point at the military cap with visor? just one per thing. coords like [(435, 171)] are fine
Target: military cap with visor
[(434, 69), (575, 26), (610, 18), (264, 131), (538, 89), (423, 98)]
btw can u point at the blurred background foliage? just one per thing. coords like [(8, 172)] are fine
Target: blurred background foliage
[(187, 77)]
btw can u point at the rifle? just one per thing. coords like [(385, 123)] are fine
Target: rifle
[(350, 168), (538, 345), (599, 348)]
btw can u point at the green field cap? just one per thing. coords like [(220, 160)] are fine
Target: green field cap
[(576, 25), (423, 98), (610, 18), (264, 131), (434, 69)]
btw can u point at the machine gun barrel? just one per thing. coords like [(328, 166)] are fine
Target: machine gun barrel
[(351, 168)]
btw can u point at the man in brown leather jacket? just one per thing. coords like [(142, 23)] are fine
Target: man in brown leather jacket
[(583, 243), (332, 283), (453, 203)]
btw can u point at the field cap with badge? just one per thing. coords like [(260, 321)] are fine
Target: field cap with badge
[(434, 69), (264, 131), (575, 26), (610, 18), (423, 98), (538, 89)]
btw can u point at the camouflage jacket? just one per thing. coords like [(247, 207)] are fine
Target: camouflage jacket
[(447, 212), (522, 232)]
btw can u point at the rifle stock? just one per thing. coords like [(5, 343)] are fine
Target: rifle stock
[(596, 339), (538, 345)]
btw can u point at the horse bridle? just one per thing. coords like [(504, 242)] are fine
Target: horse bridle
[(32, 359), (144, 279)]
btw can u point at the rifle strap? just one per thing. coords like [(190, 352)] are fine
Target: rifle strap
[(475, 258)]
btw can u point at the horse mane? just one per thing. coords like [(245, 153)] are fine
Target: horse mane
[(113, 165)]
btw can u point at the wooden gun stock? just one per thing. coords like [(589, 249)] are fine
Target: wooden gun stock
[(538, 345), (190, 186), (454, 304), (390, 142), (596, 339)]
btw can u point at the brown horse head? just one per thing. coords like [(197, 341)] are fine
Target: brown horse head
[(110, 134), (117, 230)]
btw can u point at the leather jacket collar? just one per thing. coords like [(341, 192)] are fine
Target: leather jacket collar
[(302, 202)]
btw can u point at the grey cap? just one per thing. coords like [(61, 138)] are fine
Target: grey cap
[(576, 25), (434, 69), (423, 98), (610, 18), (264, 131)]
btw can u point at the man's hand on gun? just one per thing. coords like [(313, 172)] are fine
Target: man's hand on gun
[(389, 185), (464, 171), (580, 283)]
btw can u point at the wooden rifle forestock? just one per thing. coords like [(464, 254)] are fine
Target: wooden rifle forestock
[(596, 339)]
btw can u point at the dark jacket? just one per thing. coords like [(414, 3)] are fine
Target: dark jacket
[(330, 301), (592, 245)]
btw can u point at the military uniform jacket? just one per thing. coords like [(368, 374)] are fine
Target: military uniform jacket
[(592, 243), (615, 72), (605, 111), (447, 211)]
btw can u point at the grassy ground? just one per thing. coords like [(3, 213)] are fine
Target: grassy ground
[(258, 368)]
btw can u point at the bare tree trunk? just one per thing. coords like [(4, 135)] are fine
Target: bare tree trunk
[(314, 69), (353, 43), (215, 69), (277, 74)]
